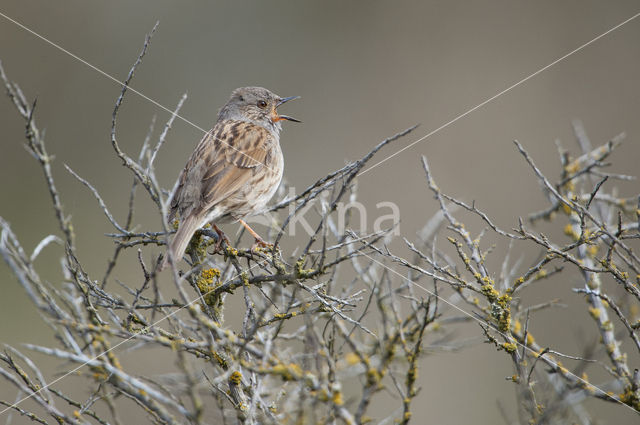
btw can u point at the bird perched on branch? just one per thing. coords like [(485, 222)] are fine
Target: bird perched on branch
[(235, 169)]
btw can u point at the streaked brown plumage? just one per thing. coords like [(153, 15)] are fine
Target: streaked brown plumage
[(235, 169)]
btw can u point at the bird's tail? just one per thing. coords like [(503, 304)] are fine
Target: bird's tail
[(181, 240)]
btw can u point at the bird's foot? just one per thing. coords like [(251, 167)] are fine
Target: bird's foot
[(222, 238), (260, 243)]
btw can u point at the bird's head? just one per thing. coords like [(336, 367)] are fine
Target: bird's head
[(257, 105)]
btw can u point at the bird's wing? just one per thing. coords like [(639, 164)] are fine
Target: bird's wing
[(222, 163), (243, 150)]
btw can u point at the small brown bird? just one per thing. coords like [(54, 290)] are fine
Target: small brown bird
[(235, 169)]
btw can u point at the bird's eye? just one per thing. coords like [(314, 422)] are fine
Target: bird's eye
[(262, 104)]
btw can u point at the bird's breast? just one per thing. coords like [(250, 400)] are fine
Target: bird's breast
[(259, 190)]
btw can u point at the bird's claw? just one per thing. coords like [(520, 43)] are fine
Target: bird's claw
[(260, 243), (222, 238)]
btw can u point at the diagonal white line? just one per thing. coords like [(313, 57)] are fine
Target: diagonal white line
[(492, 98), (447, 124), (483, 322), (145, 329), (114, 79)]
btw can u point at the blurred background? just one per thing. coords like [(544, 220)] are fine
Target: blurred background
[(365, 70)]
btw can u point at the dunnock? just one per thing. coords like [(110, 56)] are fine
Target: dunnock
[(235, 169)]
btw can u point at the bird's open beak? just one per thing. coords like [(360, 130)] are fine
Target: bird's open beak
[(277, 117)]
